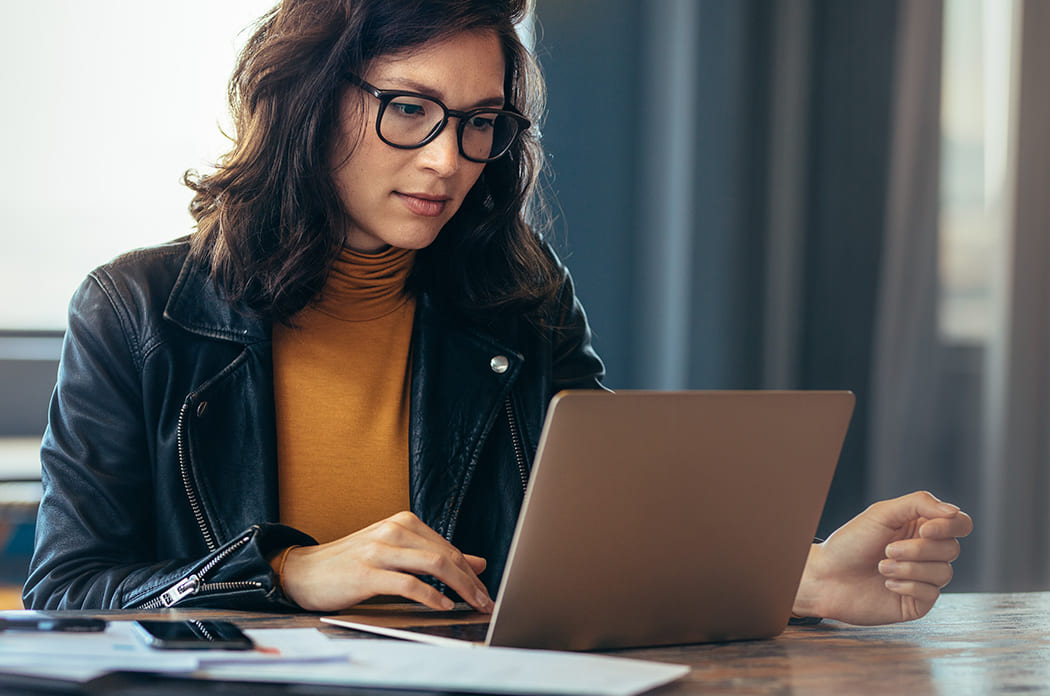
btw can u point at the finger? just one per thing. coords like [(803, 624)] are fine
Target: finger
[(477, 563), (937, 574), (959, 525), (923, 550), (444, 569), (898, 512), (389, 582), (472, 565), (407, 531), (919, 591)]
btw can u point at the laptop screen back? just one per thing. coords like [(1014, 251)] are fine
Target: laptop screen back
[(657, 518)]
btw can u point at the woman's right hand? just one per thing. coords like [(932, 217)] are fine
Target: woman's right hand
[(383, 559)]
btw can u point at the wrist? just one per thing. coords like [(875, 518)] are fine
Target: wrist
[(278, 562), (807, 599), (289, 575)]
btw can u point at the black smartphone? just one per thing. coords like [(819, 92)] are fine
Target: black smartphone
[(42, 622), (193, 635)]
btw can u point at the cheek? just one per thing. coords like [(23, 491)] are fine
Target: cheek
[(359, 174), (471, 176), (349, 141)]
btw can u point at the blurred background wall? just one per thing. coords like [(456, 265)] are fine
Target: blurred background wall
[(811, 194), (664, 117), (827, 195)]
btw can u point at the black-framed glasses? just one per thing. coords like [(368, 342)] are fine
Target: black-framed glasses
[(408, 120)]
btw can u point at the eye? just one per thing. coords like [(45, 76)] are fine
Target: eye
[(408, 109), (482, 122)]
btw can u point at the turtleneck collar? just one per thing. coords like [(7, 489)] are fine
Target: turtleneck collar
[(363, 287)]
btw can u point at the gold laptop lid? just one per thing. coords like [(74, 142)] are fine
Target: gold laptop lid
[(657, 518)]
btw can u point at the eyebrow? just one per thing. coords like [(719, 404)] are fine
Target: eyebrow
[(410, 84)]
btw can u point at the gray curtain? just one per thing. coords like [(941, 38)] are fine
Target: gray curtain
[(721, 173), (904, 415), (971, 423), (1015, 471)]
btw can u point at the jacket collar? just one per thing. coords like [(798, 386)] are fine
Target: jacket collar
[(198, 305)]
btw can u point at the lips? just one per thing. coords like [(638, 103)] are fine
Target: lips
[(423, 204)]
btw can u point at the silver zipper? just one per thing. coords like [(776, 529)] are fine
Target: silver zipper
[(519, 451), (519, 457), (187, 482), (194, 583), (182, 589)]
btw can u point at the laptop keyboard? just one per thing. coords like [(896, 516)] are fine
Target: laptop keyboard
[(473, 632)]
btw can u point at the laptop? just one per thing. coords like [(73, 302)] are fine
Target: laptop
[(654, 518)]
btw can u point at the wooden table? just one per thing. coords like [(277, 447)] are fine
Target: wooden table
[(968, 644)]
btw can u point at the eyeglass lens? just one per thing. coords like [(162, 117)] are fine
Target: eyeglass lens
[(411, 120)]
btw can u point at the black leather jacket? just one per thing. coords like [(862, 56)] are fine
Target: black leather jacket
[(159, 460)]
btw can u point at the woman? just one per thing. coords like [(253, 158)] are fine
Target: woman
[(363, 324)]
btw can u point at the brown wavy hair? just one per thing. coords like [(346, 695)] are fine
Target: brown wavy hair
[(269, 218)]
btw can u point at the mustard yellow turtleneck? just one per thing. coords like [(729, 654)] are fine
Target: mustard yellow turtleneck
[(341, 388)]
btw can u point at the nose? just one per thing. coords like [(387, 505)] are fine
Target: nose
[(442, 153)]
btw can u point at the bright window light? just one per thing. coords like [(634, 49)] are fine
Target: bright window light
[(106, 104), (975, 112)]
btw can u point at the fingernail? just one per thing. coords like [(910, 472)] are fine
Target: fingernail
[(483, 601), (894, 584), (948, 508), (893, 551), (887, 566), (447, 604)]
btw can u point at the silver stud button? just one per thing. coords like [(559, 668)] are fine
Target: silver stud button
[(499, 364)]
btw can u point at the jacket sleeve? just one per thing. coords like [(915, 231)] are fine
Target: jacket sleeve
[(98, 526), (576, 365)]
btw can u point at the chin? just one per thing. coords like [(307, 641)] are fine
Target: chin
[(414, 239)]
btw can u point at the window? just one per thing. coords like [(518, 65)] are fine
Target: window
[(106, 105), (974, 127)]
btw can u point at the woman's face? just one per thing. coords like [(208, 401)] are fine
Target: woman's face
[(403, 198)]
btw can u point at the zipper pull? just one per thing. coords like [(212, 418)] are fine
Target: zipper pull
[(183, 588)]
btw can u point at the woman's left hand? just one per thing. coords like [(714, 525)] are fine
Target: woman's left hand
[(887, 564)]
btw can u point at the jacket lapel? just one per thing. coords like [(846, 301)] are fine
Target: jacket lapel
[(198, 305), (460, 379), (230, 409)]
